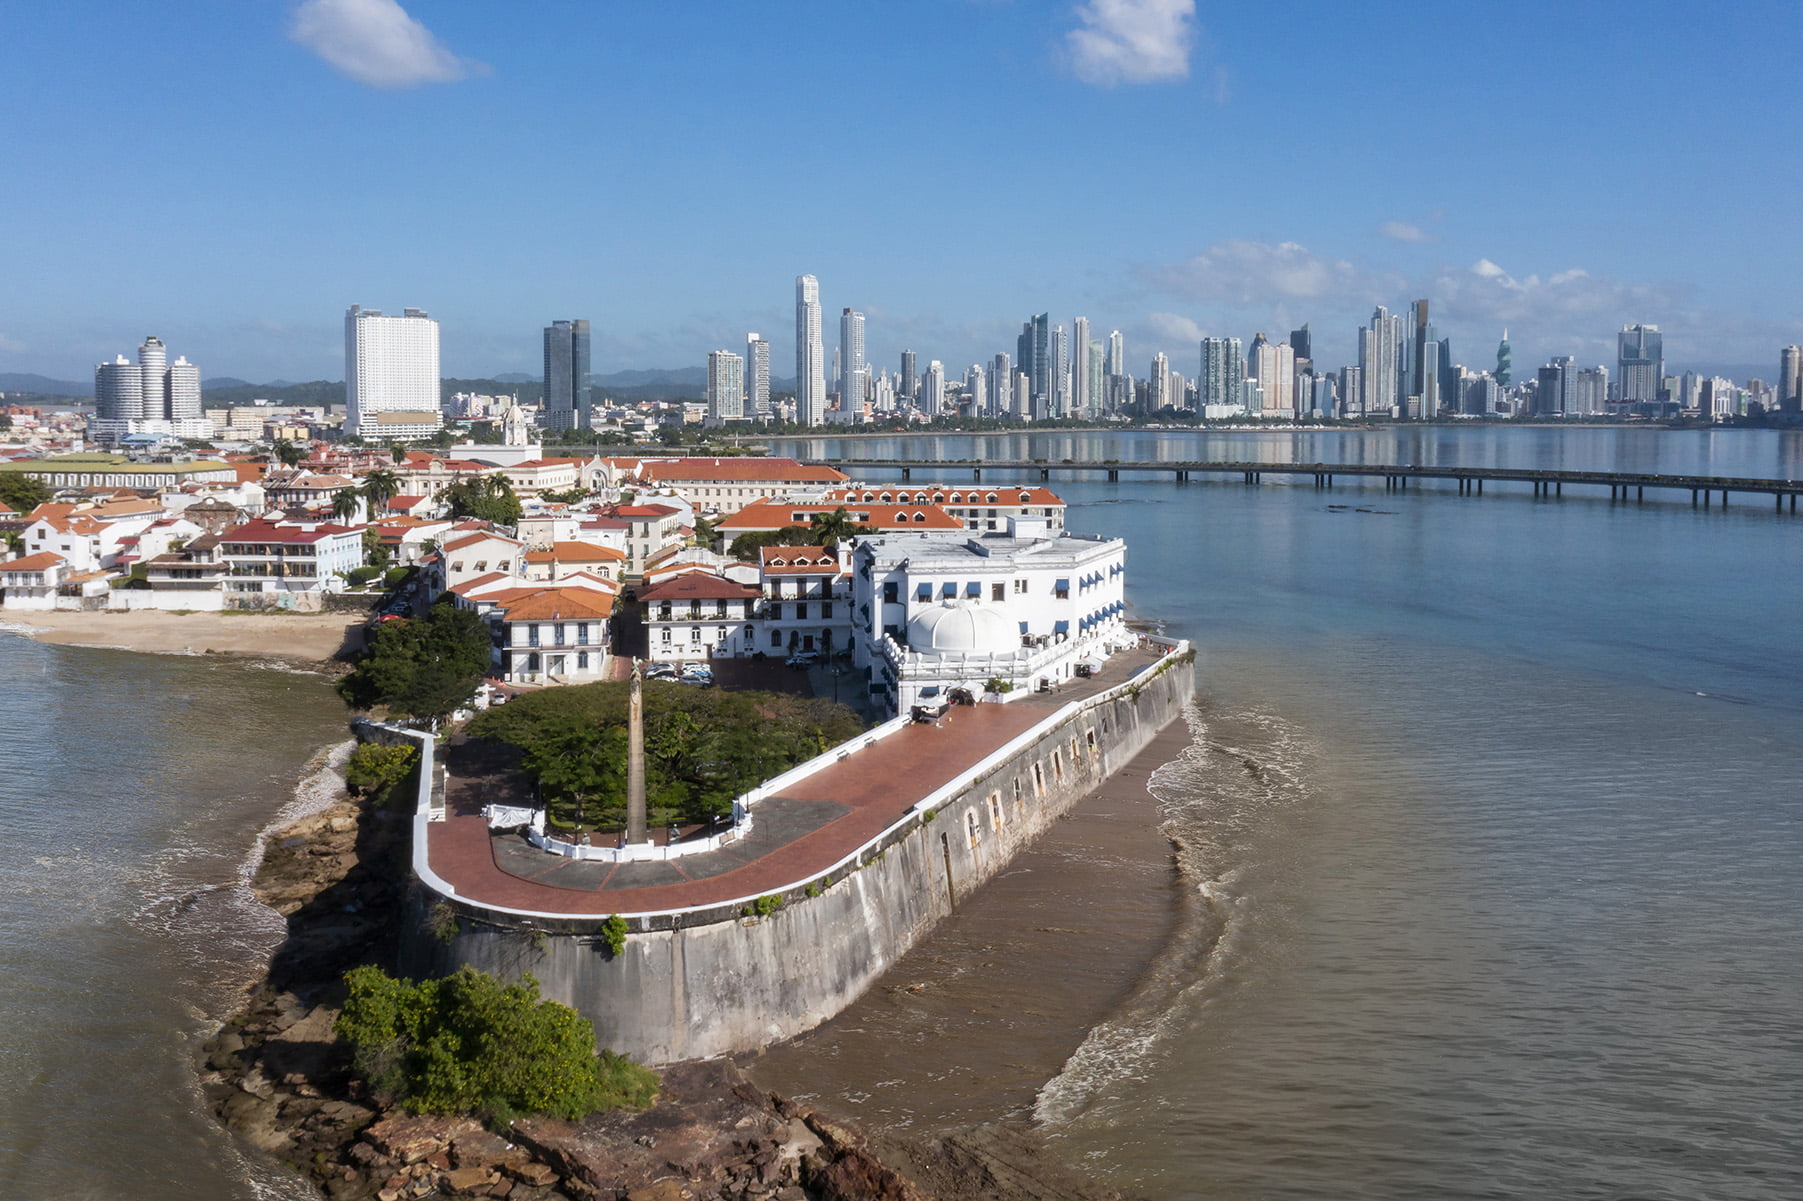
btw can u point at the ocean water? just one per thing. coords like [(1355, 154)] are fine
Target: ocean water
[(134, 791), (1484, 863)]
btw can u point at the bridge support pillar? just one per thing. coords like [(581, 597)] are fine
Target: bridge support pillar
[(907, 473), (1045, 473), (1640, 493), (976, 473), (1114, 477), (1559, 488)]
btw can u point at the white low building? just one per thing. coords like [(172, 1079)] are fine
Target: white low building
[(1025, 609)]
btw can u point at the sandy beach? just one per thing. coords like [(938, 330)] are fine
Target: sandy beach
[(311, 637)]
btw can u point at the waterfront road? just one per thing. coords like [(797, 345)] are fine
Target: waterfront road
[(794, 837)]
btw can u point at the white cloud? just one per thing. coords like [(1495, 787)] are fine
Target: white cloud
[(377, 43), (1404, 231), (1132, 41), (1245, 274), (1174, 328)]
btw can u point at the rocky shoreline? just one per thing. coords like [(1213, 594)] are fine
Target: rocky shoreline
[(277, 1079)]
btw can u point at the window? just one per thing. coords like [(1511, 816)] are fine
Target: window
[(557, 634), (582, 633), (667, 633), (582, 661), (776, 611), (532, 636), (998, 591), (776, 638), (970, 826), (1020, 587), (995, 811), (719, 608), (891, 593), (801, 611), (826, 610), (1058, 765), (694, 633), (1038, 780)]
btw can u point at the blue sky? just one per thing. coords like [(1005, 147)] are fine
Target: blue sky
[(231, 174)]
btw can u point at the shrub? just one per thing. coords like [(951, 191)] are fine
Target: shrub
[(470, 1044), (998, 685), (394, 575), (356, 577), (613, 932), (375, 768)]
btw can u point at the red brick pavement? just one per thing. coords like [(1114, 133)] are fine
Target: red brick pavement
[(879, 783)]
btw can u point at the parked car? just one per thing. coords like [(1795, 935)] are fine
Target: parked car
[(659, 671), (802, 659)]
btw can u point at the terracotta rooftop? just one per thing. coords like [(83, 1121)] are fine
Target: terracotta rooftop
[(698, 585)]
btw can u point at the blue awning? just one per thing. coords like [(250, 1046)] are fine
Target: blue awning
[(924, 592), (949, 589), (973, 589), (1023, 627), (1063, 627), (1062, 586)]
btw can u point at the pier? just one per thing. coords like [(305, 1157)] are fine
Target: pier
[(1622, 486)]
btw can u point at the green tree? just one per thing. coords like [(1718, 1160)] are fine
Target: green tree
[(486, 498), (398, 453), (22, 493), (379, 487), (287, 453), (469, 1044), (345, 504), (426, 667), (833, 528)]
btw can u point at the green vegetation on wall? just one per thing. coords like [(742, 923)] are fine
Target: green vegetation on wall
[(470, 1044), (426, 667)]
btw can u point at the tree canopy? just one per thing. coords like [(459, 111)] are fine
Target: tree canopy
[(486, 498), (469, 1044), (426, 667), (703, 747), (22, 492)]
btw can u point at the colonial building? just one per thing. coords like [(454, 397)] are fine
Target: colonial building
[(981, 509), (31, 582), (806, 594), (697, 615), (267, 557), (555, 635), (726, 485), (769, 515), (1022, 608), (567, 558)]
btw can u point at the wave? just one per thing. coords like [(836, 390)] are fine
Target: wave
[(1219, 796)]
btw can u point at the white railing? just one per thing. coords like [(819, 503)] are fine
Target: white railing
[(914, 815)]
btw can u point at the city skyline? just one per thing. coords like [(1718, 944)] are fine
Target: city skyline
[(408, 110)]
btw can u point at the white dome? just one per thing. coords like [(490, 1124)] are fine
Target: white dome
[(951, 628)]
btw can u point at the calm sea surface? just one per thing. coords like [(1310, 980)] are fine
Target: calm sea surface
[(1489, 844), (134, 790)]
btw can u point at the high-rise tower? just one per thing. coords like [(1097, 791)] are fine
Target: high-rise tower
[(1082, 400), (1223, 373), (810, 353), (725, 387), (851, 358), (910, 379), (1639, 362), (567, 391), (1790, 380), (390, 374), (1502, 360), (757, 376)]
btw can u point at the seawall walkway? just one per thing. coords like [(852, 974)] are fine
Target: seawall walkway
[(812, 824)]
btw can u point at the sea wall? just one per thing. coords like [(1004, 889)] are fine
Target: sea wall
[(695, 983)]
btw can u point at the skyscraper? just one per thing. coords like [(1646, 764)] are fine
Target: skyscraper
[(932, 389), (1159, 381), (151, 395), (1059, 392), (810, 353), (1503, 366), (567, 390), (757, 376), (1274, 367), (1035, 361), (1381, 350), (725, 387), (181, 387), (1223, 371), (910, 380), (1082, 399), (1300, 343), (1421, 381), (390, 374), (119, 391), (1639, 362), (1001, 387), (1790, 380), (851, 358)]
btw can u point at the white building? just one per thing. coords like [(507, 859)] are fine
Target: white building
[(391, 375), (151, 396), (757, 376), (697, 616), (725, 387), (283, 557), (810, 353), (1023, 608)]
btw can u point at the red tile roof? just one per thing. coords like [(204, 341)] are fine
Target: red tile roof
[(698, 585), (890, 518), (787, 471), (269, 531), (42, 561)]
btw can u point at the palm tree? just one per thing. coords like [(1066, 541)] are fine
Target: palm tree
[(379, 487), (835, 527), (346, 504), (287, 453)]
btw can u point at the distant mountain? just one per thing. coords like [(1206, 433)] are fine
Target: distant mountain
[(516, 377), (43, 385), (227, 381), (319, 392)]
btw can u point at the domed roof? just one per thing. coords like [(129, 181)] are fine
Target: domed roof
[(952, 627)]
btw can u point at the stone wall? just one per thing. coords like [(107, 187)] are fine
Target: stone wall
[(693, 985)]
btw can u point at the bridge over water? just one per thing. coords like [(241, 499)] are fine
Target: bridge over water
[(1470, 480)]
